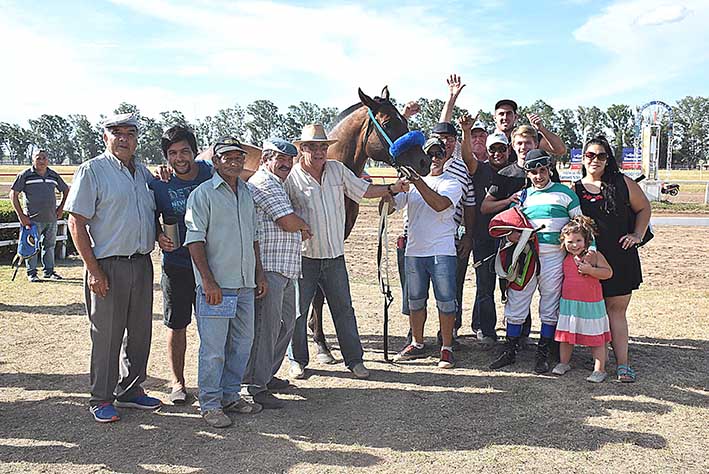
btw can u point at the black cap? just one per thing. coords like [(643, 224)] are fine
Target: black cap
[(536, 159), (445, 128), (227, 144), (509, 102)]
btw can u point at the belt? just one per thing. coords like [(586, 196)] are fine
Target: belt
[(125, 257)]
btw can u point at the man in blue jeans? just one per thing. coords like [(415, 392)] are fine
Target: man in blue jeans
[(39, 185), (222, 236)]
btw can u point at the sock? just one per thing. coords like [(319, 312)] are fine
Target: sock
[(417, 345), (449, 348), (514, 330), (548, 330)]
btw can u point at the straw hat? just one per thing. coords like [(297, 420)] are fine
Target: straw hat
[(313, 132)]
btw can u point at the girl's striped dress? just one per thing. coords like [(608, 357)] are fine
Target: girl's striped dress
[(582, 312)]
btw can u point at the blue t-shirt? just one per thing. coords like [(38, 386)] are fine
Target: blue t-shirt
[(171, 202)]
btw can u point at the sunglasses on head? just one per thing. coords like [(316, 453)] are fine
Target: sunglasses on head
[(599, 156)]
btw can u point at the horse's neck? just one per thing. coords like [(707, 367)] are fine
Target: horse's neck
[(349, 148)]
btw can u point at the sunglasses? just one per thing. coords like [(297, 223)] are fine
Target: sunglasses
[(599, 156), (497, 149), (436, 154), (532, 166)]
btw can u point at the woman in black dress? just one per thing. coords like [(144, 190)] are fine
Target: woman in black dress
[(622, 214)]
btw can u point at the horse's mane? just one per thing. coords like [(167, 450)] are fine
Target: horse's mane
[(345, 113)]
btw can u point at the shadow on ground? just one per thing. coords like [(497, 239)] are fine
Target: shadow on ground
[(402, 408)]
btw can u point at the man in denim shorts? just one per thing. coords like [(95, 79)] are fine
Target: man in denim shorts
[(431, 254)]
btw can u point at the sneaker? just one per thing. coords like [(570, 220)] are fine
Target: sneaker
[(216, 418), (268, 401), (597, 377), (53, 276), (297, 370), (479, 334), (34, 279), (560, 369), (487, 342), (242, 407), (277, 384), (142, 402), (411, 352), (447, 361), (360, 371), (455, 343), (104, 413), (325, 358), (178, 396)]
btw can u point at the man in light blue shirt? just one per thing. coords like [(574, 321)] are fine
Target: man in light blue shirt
[(112, 222), (222, 236)]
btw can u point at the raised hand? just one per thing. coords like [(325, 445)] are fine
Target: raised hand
[(535, 120), (410, 109), (454, 84), (466, 122)]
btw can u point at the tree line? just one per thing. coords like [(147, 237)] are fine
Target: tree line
[(74, 139)]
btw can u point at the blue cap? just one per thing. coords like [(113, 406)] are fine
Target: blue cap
[(281, 146)]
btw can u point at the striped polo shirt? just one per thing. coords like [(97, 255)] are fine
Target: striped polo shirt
[(40, 193), (553, 206), (322, 205)]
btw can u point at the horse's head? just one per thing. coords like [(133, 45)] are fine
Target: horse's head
[(384, 125)]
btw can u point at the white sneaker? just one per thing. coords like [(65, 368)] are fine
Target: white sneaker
[(479, 335), (560, 369), (297, 371)]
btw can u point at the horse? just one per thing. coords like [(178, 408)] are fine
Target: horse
[(359, 138)]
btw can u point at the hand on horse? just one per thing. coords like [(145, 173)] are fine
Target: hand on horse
[(454, 84), (409, 173)]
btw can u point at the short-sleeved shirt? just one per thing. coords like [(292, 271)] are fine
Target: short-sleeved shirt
[(280, 250), (431, 233), (171, 202), (226, 222), (40, 193), (119, 206), (322, 205), (509, 180), (553, 206)]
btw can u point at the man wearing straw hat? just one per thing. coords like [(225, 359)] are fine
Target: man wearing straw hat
[(317, 188)]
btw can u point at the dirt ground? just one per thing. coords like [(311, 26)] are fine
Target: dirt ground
[(411, 417)]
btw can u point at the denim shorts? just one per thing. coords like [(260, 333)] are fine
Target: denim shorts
[(438, 269)]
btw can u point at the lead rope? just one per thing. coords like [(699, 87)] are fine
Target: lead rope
[(383, 272)]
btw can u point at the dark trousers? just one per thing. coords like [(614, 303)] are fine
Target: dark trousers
[(121, 329)]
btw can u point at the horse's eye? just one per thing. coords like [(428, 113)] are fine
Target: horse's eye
[(386, 124)]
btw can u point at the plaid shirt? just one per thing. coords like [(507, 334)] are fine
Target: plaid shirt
[(280, 250)]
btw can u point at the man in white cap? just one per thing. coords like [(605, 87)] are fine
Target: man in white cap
[(112, 222), (317, 188), (280, 246)]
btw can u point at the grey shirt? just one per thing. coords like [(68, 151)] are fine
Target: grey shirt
[(120, 207), (40, 193), (226, 222)]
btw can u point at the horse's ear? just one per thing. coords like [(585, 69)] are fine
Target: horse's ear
[(366, 100), (385, 93)]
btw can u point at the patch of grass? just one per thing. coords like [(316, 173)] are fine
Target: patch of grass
[(668, 207)]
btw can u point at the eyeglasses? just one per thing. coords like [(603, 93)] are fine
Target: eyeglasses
[(497, 149), (436, 154), (599, 156)]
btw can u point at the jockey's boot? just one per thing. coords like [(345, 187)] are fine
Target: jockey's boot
[(554, 351), (541, 365), (509, 355)]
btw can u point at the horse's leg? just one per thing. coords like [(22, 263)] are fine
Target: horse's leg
[(315, 324)]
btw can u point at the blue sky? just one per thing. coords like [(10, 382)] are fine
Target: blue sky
[(198, 56)]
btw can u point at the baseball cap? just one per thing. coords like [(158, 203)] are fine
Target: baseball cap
[(281, 146), (433, 141), (121, 120), (536, 159), (479, 126), (496, 138), (227, 144), (445, 128), (509, 102)]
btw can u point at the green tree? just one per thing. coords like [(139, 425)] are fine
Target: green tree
[(592, 122), (17, 141), (53, 134), (691, 121), (172, 118), (304, 113), (428, 116), (568, 131), (620, 122), (149, 150), (265, 121), (226, 122), (545, 111), (87, 139)]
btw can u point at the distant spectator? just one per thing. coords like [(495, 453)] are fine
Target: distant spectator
[(39, 185)]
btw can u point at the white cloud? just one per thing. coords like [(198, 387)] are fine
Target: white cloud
[(647, 43)]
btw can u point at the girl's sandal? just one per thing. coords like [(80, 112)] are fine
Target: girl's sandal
[(625, 374)]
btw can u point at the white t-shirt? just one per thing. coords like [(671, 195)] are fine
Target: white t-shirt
[(430, 232)]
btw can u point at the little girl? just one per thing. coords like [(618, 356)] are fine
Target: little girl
[(582, 311)]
